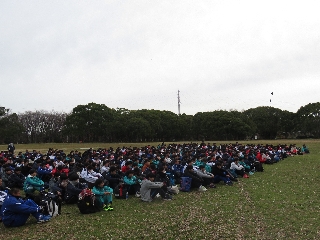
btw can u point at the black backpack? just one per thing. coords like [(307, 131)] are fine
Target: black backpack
[(47, 202), (87, 202), (120, 191), (258, 166)]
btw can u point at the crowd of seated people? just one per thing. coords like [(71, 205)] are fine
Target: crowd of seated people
[(144, 172)]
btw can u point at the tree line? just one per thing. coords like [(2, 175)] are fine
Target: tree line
[(98, 123)]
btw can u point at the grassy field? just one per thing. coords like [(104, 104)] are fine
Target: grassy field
[(280, 203)]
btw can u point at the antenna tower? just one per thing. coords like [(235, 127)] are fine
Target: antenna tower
[(179, 102)]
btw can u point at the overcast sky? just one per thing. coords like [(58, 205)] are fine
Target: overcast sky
[(55, 55)]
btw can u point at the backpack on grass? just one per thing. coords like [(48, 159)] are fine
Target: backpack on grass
[(47, 202), (185, 185), (50, 207), (258, 166), (87, 202), (120, 191)]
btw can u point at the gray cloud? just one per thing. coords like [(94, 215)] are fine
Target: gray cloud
[(137, 54)]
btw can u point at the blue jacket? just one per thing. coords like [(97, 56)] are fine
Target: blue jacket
[(177, 168), (15, 209), (43, 171)]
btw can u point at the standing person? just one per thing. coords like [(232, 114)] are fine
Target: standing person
[(16, 211), (11, 148)]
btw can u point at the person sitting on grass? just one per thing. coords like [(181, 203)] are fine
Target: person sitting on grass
[(113, 177), (73, 188), (103, 194), (54, 181), (6, 175), (304, 149), (44, 173), (32, 183), (150, 189), (163, 177), (16, 211), (105, 168), (62, 169), (145, 167), (239, 169), (220, 174), (90, 176), (16, 179), (247, 168), (177, 170), (132, 183), (207, 177), (196, 181), (127, 167), (3, 195)]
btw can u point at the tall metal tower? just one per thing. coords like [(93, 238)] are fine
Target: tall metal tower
[(179, 102)]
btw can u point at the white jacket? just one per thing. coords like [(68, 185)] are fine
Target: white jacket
[(236, 166), (90, 177)]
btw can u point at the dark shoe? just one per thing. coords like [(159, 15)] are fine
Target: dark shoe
[(167, 197)]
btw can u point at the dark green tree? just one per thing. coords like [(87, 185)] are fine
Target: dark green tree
[(266, 119), (91, 122), (184, 129), (287, 123), (308, 120), (220, 125), (138, 129)]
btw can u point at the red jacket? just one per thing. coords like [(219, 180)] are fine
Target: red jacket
[(63, 171)]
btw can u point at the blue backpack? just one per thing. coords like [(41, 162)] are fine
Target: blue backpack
[(185, 185)]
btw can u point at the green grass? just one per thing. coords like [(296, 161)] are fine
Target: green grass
[(280, 203)]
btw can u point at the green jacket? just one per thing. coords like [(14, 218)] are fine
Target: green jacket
[(131, 181), (32, 183), (244, 164), (99, 192)]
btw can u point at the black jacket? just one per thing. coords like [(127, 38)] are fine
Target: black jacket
[(218, 171), (113, 179), (16, 180), (192, 175)]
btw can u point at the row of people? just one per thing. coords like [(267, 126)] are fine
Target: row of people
[(146, 172)]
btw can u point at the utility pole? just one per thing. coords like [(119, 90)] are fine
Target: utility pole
[(179, 102)]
